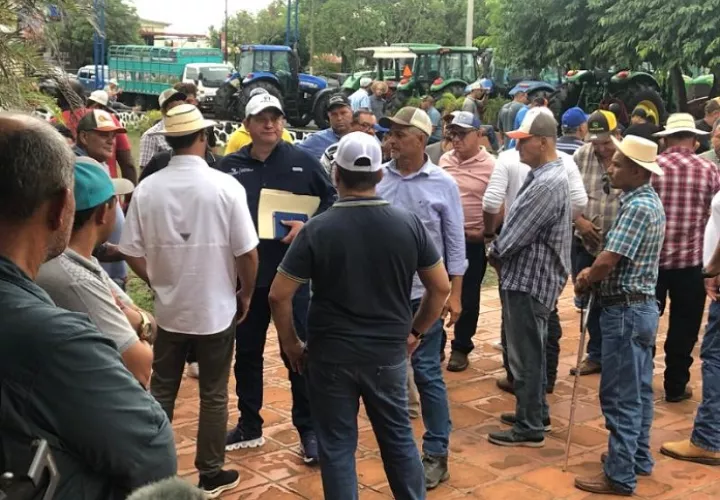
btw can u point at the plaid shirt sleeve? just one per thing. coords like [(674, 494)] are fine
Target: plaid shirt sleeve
[(147, 148), (529, 214), (627, 233)]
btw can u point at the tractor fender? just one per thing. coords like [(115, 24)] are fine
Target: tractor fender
[(639, 77), (451, 82), (323, 92), (529, 86), (260, 75)]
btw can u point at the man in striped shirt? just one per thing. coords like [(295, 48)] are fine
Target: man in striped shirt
[(532, 256), (574, 129)]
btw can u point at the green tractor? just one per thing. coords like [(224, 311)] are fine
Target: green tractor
[(598, 89), (413, 69)]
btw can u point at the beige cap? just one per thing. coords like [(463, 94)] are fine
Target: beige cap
[(410, 117)]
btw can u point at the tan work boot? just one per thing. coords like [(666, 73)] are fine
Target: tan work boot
[(599, 484), (587, 367), (685, 450)]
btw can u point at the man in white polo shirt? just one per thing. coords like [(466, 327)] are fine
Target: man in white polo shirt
[(190, 236)]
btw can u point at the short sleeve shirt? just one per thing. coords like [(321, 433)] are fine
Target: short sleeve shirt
[(376, 248), (81, 285)]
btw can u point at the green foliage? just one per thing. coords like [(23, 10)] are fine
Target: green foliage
[(492, 110), (140, 293), (449, 102), (149, 119)]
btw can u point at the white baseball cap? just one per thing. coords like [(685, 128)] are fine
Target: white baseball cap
[(99, 96), (357, 146), (259, 103), (410, 117), (365, 81), (169, 95)]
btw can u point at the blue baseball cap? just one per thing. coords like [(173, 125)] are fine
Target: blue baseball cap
[(573, 118), (464, 119), (93, 185)]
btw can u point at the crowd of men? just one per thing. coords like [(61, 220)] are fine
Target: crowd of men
[(361, 295)]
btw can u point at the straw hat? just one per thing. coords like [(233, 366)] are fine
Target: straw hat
[(678, 123), (641, 151), (184, 119)]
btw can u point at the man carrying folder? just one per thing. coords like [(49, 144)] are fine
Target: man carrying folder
[(284, 186)]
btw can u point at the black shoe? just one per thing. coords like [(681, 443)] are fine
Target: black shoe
[(442, 356), (505, 385), (309, 448), (214, 486), (458, 362), (237, 439), (509, 419), (436, 470), (509, 438), (677, 398)]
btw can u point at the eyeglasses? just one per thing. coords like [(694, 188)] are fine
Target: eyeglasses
[(457, 134)]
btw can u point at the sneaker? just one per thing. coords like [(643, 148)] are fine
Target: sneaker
[(505, 385), (685, 450), (436, 470), (587, 367), (309, 448), (458, 362), (509, 419), (193, 370), (237, 440), (677, 398), (509, 438), (639, 472), (214, 486)]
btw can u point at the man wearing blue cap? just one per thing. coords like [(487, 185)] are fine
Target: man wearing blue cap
[(574, 130)]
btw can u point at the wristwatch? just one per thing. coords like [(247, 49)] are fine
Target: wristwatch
[(416, 334), (707, 275), (145, 329)]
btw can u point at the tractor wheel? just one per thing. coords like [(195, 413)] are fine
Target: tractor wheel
[(244, 95), (302, 121), (224, 103), (320, 112), (398, 101), (562, 99), (644, 96), (545, 94), (456, 89)]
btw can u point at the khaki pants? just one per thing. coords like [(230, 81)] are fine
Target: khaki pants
[(413, 395)]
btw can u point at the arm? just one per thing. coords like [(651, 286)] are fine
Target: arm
[(454, 241), (578, 195), (138, 359), (125, 159), (132, 243), (244, 242), (139, 267), (322, 186), (494, 196), (437, 288), (247, 268), (147, 149)]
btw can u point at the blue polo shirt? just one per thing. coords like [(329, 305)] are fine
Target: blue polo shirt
[(316, 144)]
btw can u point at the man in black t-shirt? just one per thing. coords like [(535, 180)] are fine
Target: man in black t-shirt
[(360, 256)]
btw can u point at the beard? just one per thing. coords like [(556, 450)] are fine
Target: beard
[(60, 239)]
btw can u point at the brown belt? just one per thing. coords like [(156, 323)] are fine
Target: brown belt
[(624, 299)]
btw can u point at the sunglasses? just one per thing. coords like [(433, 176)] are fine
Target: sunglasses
[(459, 134)]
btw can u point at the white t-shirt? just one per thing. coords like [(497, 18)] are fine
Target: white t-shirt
[(712, 230), (509, 175), (190, 221)]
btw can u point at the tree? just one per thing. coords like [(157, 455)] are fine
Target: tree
[(75, 34)]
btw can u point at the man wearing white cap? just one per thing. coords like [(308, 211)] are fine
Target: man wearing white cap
[(360, 328), (532, 256), (189, 235), (270, 163), (151, 142), (360, 99), (686, 191), (411, 181), (623, 276)]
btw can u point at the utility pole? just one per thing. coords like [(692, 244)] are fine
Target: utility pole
[(226, 31), (469, 23), (99, 44), (312, 34)]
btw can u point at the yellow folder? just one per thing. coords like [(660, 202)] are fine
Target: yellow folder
[(273, 201)]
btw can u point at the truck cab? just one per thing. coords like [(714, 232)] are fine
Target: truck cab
[(87, 78), (208, 77)]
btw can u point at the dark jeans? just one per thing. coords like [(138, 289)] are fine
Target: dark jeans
[(706, 432), (582, 259), (192, 355), (552, 347), (250, 337), (214, 356), (526, 330), (432, 389), (687, 303), (335, 391), (626, 392)]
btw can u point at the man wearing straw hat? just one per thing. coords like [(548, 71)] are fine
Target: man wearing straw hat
[(624, 276), (686, 191), (189, 235)]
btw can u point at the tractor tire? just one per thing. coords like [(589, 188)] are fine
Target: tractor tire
[(319, 113), (223, 107), (244, 96), (398, 101), (301, 121), (456, 90), (564, 98), (638, 93)]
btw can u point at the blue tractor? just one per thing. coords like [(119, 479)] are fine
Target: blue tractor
[(274, 68)]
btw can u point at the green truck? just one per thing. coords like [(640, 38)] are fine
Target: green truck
[(143, 72)]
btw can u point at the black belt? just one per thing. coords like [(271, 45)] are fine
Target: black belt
[(623, 299)]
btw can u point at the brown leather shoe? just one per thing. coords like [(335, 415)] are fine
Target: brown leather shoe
[(505, 385), (587, 367), (604, 456), (686, 450), (599, 484)]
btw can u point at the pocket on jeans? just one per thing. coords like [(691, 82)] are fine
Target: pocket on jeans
[(392, 380), (645, 323)]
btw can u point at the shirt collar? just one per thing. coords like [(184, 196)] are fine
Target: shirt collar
[(479, 157), (90, 264), (187, 161), (627, 196), (678, 149), (361, 202), (547, 167), (425, 170)]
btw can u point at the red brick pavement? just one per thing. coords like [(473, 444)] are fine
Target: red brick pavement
[(478, 469)]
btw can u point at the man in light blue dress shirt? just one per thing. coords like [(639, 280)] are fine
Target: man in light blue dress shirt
[(413, 182)]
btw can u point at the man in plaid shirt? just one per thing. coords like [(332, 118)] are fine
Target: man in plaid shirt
[(686, 191), (532, 255), (626, 271), (151, 142)]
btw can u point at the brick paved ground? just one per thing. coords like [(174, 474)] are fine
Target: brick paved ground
[(478, 469)]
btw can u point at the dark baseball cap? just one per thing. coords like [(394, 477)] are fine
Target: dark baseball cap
[(338, 100), (601, 125)]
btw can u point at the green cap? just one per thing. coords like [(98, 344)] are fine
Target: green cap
[(93, 185)]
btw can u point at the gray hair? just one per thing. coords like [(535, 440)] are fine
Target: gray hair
[(172, 488), (35, 164), (716, 126)]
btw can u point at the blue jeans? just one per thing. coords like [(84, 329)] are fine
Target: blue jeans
[(706, 433), (335, 391), (626, 392), (526, 331), (432, 389)]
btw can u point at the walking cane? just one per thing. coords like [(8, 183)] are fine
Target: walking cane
[(584, 314)]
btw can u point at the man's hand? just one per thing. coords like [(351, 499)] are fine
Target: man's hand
[(494, 262), (131, 313), (295, 352), (474, 235), (452, 306), (295, 227), (582, 282), (243, 306), (589, 232), (711, 287), (412, 343)]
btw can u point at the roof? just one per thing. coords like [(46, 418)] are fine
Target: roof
[(266, 48), (389, 52)]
